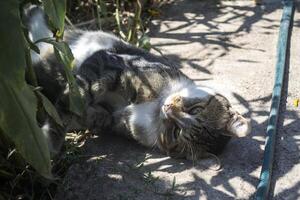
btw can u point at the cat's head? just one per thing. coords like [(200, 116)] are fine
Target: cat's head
[(199, 121)]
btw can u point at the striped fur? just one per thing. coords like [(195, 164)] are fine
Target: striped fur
[(135, 93)]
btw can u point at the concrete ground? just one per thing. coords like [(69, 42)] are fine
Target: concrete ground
[(231, 46)]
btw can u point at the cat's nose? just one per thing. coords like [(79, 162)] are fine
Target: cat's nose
[(167, 107)]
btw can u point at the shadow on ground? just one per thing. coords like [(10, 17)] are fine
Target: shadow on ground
[(193, 35), (217, 25)]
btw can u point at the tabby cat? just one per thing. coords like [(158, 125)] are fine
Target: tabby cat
[(132, 92)]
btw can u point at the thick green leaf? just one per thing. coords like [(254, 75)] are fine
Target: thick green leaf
[(56, 10), (18, 122), (5, 174), (50, 109), (64, 54), (76, 102), (2, 197), (18, 102), (12, 42)]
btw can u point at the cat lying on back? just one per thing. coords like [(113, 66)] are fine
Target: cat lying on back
[(132, 92)]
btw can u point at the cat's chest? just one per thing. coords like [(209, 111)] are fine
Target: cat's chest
[(144, 122)]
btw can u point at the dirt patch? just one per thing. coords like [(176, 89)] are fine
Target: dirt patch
[(232, 47)]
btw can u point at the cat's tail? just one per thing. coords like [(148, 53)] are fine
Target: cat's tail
[(37, 29)]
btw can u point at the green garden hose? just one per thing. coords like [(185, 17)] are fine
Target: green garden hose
[(284, 34)]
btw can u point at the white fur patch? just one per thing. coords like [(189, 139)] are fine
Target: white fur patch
[(239, 126), (188, 91), (39, 30), (143, 116), (45, 130), (89, 43), (196, 92)]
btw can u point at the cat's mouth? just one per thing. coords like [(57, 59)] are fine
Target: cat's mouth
[(174, 118)]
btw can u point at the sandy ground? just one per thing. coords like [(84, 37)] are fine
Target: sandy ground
[(230, 46)]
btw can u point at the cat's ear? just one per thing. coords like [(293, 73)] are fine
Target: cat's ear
[(238, 126)]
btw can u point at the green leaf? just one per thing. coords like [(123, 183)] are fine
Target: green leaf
[(2, 197), (5, 174), (76, 101), (144, 42), (49, 107), (30, 43), (64, 54), (10, 33), (18, 102), (18, 122), (33, 46), (56, 10)]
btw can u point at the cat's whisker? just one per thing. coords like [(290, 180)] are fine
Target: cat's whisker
[(183, 148), (192, 152), (155, 143)]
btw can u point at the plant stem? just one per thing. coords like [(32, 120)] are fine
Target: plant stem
[(31, 72), (98, 10), (137, 22), (118, 20)]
